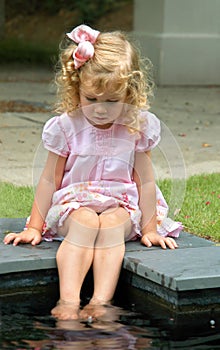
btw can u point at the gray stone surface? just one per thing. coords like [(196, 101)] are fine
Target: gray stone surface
[(24, 257), (182, 269), (27, 258), (178, 270)]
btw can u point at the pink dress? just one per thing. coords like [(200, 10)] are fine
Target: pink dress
[(98, 170)]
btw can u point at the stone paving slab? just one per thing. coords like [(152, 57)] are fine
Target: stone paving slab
[(26, 257), (194, 265), (178, 270)]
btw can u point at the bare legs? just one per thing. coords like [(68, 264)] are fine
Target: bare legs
[(90, 239)]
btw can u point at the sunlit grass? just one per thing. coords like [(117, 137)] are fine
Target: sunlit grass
[(200, 211), (15, 201)]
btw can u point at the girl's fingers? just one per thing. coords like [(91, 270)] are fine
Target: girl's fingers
[(146, 241), (171, 243), (9, 237), (17, 240), (12, 237), (164, 242), (36, 241), (21, 238)]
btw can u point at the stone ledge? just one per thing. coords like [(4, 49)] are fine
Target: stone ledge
[(193, 267)]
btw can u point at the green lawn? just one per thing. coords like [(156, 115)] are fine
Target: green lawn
[(16, 201), (199, 212)]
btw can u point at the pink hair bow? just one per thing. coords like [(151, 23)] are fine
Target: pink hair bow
[(85, 37)]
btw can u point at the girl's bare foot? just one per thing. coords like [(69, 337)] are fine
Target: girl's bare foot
[(99, 309), (92, 311), (66, 310)]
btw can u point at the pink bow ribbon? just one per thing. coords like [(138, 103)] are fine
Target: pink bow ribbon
[(85, 37)]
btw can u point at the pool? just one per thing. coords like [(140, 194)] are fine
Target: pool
[(145, 315), (135, 321)]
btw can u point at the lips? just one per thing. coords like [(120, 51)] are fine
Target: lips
[(101, 119)]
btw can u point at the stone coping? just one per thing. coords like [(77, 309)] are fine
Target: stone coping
[(195, 265)]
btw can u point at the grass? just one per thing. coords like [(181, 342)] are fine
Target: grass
[(199, 211), (16, 201)]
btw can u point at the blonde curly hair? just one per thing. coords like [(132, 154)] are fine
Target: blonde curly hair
[(116, 65)]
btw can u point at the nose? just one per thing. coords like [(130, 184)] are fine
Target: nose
[(100, 108)]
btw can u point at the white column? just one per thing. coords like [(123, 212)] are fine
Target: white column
[(182, 39)]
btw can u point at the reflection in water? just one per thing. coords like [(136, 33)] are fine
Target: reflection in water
[(26, 324), (23, 332)]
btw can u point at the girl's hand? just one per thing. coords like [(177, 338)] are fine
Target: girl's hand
[(153, 238), (31, 235)]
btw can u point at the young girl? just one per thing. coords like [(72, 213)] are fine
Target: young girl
[(97, 189)]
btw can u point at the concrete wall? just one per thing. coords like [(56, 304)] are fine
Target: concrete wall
[(182, 39)]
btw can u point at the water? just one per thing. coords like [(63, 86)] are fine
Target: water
[(26, 323)]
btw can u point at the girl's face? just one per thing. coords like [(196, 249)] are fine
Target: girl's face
[(101, 110)]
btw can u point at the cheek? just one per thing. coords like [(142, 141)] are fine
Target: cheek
[(87, 110), (116, 109)]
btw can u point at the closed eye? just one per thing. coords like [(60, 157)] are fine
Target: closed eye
[(94, 99), (91, 99)]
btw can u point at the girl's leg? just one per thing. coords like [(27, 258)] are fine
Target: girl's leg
[(74, 258), (109, 251)]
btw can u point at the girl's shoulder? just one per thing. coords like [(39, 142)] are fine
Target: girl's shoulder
[(64, 122), (55, 122), (150, 131), (149, 120), (59, 131)]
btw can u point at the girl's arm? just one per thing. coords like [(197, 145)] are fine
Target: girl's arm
[(144, 178), (49, 182)]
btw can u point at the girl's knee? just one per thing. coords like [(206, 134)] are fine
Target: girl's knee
[(114, 217), (82, 228), (86, 217), (114, 227)]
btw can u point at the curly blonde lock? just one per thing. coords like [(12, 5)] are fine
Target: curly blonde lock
[(116, 64)]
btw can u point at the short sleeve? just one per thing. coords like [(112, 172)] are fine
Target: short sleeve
[(54, 138), (150, 132)]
